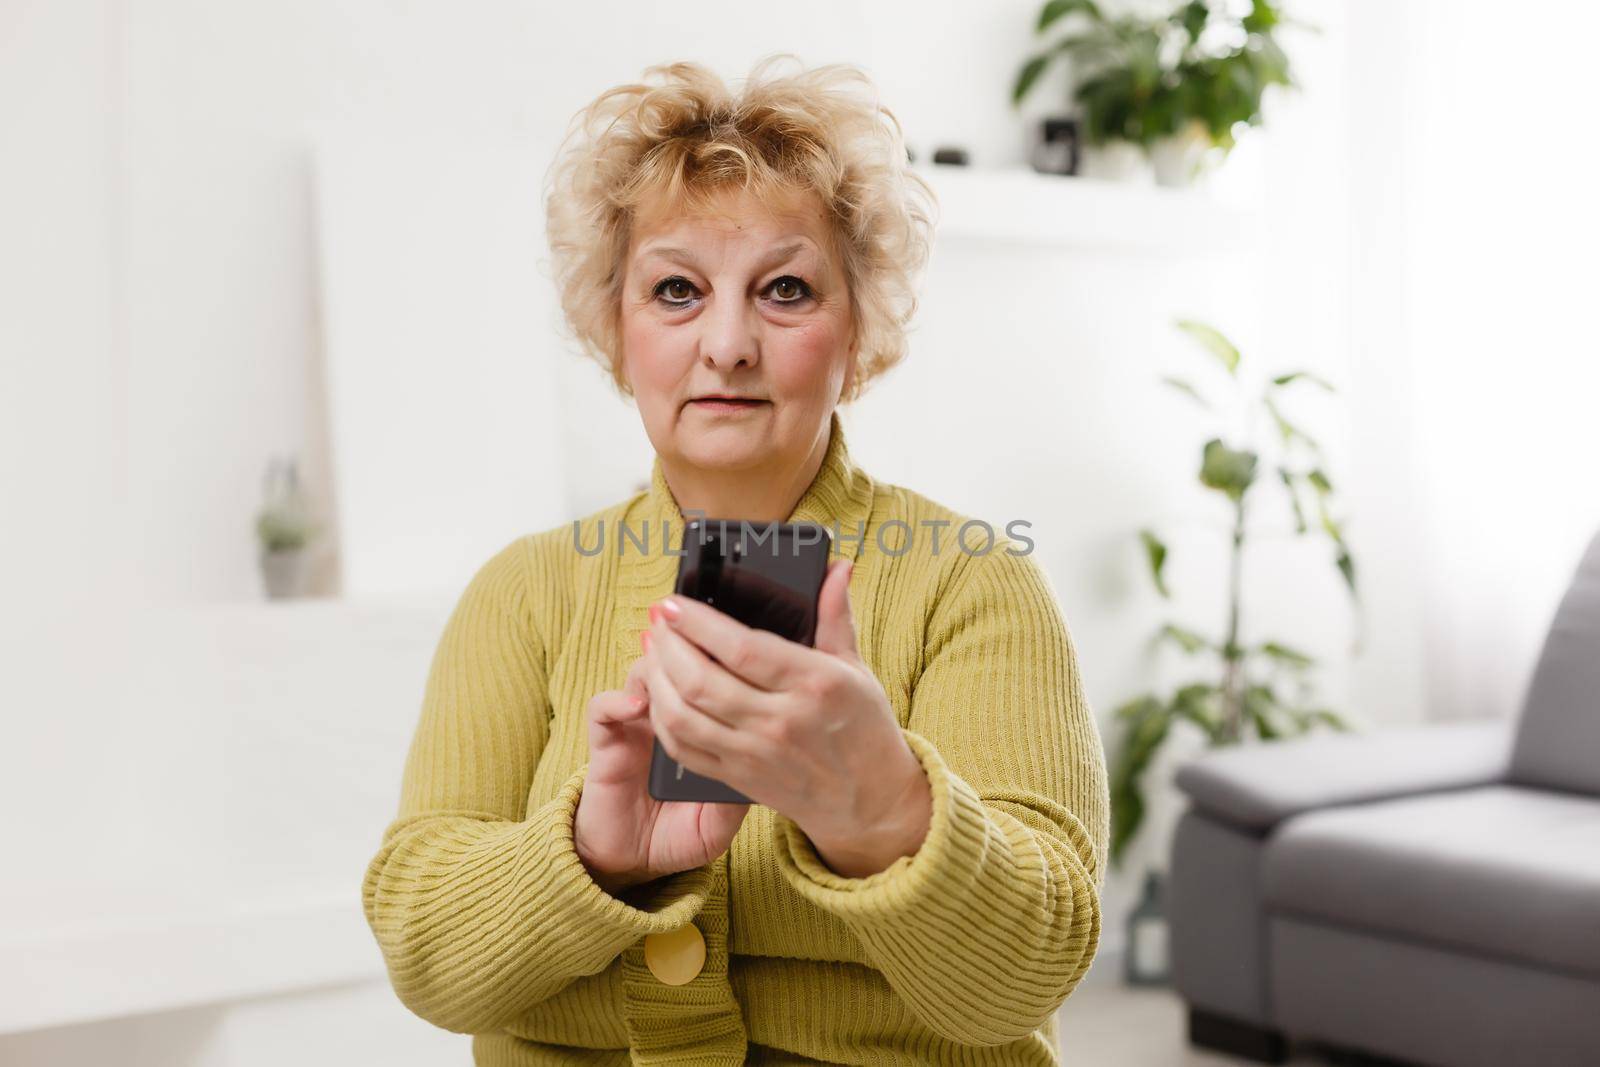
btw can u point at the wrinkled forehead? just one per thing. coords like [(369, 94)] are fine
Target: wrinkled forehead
[(720, 215)]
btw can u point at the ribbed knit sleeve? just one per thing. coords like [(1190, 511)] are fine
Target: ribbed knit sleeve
[(482, 908), (986, 929)]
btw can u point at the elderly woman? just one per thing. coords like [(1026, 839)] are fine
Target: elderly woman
[(917, 878)]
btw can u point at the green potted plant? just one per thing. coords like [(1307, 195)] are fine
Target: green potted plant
[(1241, 696), (284, 530), (1174, 87)]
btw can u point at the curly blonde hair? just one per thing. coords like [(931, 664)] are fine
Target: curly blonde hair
[(681, 136)]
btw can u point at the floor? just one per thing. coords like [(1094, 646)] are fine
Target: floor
[(1110, 1024)]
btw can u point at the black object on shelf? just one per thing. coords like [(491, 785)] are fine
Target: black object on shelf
[(1059, 147), (950, 155)]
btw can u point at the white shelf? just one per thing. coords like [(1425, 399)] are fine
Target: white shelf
[(1020, 206)]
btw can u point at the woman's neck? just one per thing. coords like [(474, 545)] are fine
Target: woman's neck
[(764, 494)]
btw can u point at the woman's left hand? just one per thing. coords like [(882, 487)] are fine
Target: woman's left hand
[(808, 732)]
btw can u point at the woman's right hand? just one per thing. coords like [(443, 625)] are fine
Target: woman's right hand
[(623, 835)]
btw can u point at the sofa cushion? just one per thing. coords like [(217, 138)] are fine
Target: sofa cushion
[(1503, 871), (1257, 786), (1558, 740)]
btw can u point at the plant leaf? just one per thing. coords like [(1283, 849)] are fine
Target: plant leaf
[(1260, 708), (1156, 555), (1060, 9), (1289, 657), (1213, 342), (1332, 527), (1129, 709), (1197, 703), (1328, 522), (1227, 469), (1285, 379), (1147, 721), (1330, 718), (1288, 430), (1027, 76), (1262, 17), (1347, 567), (1188, 640), (1287, 477), (1183, 386)]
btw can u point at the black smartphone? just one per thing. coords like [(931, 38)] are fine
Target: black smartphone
[(766, 575)]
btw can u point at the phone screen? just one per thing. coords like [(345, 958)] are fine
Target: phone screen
[(766, 576)]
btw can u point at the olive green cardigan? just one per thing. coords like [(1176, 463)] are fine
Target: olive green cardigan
[(961, 953)]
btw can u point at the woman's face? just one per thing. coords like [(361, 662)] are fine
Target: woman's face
[(746, 303)]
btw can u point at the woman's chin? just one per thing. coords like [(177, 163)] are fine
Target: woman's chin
[(729, 459), (726, 447)]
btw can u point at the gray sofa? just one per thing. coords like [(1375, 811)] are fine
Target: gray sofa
[(1430, 895)]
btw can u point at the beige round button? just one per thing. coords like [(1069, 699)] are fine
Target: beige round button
[(676, 956)]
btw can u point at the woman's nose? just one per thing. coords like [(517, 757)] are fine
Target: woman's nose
[(731, 335)]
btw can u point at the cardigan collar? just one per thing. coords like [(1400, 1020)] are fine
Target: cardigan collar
[(839, 498)]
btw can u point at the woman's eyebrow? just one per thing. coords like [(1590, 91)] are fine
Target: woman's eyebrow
[(683, 255)]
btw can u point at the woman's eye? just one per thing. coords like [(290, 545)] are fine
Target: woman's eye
[(789, 284), (672, 285)]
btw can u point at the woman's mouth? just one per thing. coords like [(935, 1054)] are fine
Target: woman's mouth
[(726, 405)]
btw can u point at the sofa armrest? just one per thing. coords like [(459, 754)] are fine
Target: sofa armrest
[(1258, 786)]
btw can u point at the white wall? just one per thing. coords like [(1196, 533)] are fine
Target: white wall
[(62, 429)]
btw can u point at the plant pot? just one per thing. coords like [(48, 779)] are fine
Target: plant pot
[(1176, 160), (1059, 149), (1116, 161), (283, 572)]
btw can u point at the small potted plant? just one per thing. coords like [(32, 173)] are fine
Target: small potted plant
[(284, 529), (1172, 89)]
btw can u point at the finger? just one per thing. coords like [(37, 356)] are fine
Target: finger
[(634, 684), (696, 759), (836, 625), (705, 684), (680, 725), (761, 658), (616, 706)]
